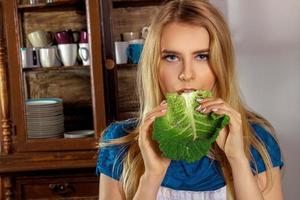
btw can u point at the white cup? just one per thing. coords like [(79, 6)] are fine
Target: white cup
[(30, 57), (130, 36), (121, 52), (136, 41), (68, 54), (58, 61), (40, 38), (84, 53), (48, 57), (145, 31)]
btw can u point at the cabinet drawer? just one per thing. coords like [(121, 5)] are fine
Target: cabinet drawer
[(59, 188)]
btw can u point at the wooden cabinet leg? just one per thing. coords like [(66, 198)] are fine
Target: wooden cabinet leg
[(7, 188)]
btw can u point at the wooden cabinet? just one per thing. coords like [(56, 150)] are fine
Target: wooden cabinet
[(121, 16), (28, 165), (58, 186), (93, 95)]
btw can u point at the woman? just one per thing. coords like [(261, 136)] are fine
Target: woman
[(188, 48)]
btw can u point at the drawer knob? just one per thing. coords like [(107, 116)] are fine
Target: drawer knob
[(61, 189), (109, 64)]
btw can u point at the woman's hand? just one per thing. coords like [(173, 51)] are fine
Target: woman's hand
[(155, 165), (230, 138)]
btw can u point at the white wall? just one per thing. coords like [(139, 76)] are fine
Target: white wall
[(267, 41)]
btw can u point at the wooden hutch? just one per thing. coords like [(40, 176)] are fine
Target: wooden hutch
[(93, 96)]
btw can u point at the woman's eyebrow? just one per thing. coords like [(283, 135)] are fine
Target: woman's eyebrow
[(201, 51), (166, 51)]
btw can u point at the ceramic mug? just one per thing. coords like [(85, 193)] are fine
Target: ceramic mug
[(121, 52), (84, 37), (137, 41), (145, 31), (40, 38), (49, 57), (30, 57), (127, 36), (76, 36), (68, 54), (84, 53), (134, 52), (66, 37)]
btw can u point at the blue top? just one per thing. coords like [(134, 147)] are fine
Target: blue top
[(202, 175)]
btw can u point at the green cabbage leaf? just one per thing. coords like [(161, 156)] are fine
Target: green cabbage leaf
[(184, 133)]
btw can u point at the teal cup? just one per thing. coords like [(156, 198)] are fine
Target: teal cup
[(134, 53)]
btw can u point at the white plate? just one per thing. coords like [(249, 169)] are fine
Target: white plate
[(41, 122), (45, 106), (49, 128), (46, 129), (46, 136), (49, 117), (43, 101), (79, 134), (35, 116)]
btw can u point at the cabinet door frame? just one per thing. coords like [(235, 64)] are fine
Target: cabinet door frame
[(16, 90)]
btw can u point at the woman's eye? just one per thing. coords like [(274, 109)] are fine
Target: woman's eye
[(171, 58), (202, 56)]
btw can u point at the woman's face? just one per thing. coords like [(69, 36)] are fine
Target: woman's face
[(184, 59)]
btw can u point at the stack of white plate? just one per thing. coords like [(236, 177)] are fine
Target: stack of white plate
[(79, 134), (45, 118)]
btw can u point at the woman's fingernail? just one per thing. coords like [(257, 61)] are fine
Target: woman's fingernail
[(163, 110), (198, 108), (215, 109), (203, 110), (199, 100), (163, 102)]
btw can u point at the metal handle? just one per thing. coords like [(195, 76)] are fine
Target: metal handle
[(61, 189), (109, 64)]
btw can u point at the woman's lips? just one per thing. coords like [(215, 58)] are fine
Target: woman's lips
[(185, 90)]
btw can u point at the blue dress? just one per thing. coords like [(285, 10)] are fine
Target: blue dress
[(202, 175)]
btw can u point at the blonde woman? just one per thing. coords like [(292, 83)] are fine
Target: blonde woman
[(189, 47)]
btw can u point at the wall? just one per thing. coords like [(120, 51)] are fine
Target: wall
[(267, 41)]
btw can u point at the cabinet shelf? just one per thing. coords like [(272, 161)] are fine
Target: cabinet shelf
[(45, 69), (140, 3), (81, 87), (120, 66), (58, 4), (59, 144)]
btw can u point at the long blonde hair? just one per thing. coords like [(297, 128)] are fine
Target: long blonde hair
[(200, 13)]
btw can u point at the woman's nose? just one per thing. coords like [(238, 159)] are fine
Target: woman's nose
[(187, 72)]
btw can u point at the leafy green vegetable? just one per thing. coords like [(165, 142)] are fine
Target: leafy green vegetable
[(184, 133)]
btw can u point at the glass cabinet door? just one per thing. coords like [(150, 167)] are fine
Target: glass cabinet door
[(55, 103)]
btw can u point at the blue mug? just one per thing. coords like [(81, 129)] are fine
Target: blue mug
[(134, 52)]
